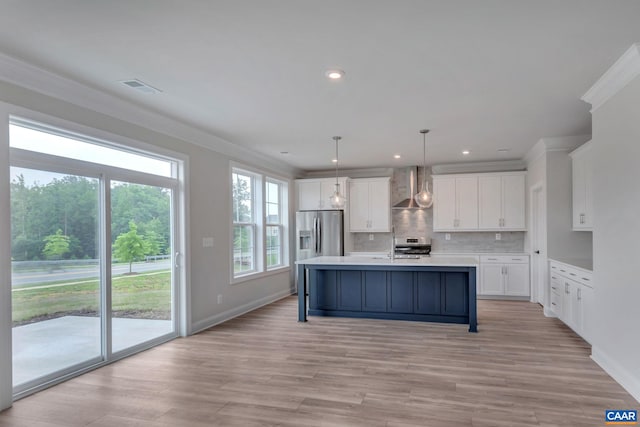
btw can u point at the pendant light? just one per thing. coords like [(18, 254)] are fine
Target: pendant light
[(337, 200), (424, 198)]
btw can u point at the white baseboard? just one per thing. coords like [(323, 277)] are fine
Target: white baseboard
[(617, 372), (549, 313), (201, 325)]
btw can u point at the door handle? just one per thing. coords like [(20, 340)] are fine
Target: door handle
[(315, 234), (176, 257), (319, 235)]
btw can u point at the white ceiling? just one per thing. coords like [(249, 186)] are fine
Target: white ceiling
[(481, 74)]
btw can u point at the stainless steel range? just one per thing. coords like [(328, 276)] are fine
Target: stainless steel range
[(411, 247)]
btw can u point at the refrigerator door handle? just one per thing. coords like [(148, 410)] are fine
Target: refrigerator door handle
[(319, 236), (315, 234)]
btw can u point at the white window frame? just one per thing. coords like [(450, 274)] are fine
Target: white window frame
[(255, 224), (281, 224), (181, 297), (260, 179)]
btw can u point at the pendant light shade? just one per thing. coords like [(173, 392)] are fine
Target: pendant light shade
[(337, 200), (424, 198)]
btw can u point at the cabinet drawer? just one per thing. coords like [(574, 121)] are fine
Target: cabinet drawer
[(556, 287), (556, 304), (564, 271), (504, 259)]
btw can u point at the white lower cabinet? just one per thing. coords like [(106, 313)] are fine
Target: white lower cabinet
[(571, 297), (504, 275)]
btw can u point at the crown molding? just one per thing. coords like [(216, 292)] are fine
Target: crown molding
[(560, 143), (42, 81), (473, 167), (623, 71)]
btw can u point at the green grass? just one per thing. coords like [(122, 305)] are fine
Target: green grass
[(137, 296)]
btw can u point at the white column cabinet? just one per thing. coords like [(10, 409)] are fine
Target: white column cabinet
[(582, 175), (370, 205), (455, 203), (504, 275), (501, 200), (313, 194)]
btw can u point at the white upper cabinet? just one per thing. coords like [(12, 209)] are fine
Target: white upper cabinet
[(479, 202), (582, 174), (370, 205), (501, 201), (313, 194), (455, 203)]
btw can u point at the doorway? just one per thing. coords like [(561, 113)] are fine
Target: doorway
[(94, 232), (538, 245)]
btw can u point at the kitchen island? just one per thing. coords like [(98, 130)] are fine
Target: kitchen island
[(429, 289)]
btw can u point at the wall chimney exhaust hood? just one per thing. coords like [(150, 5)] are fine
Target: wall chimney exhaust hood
[(412, 184)]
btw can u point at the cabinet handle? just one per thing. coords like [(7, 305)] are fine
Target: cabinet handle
[(563, 270), (572, 274), (579, 294), (492, 259), (554, 288), (554, 277), (584, 278), (566, 288), (553, 303)]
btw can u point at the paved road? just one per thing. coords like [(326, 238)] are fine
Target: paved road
[(79, 273)]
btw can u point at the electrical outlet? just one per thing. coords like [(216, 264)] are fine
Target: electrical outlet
[(219, 298), (370, 236), (447, 236), (498, 236)]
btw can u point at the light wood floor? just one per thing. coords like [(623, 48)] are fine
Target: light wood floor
[(264, 368)]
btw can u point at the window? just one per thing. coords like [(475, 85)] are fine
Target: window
[(273, 221), (244, 225), (260, 206)]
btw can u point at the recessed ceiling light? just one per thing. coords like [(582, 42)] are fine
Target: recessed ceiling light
[(503, 150), (334, 160), (334, 74), (284, 153), (466, 152), (396, 156)]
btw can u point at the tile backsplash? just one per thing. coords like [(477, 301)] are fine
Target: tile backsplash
[(419, 222)]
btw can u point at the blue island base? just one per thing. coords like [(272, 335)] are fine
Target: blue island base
[(417, 293)]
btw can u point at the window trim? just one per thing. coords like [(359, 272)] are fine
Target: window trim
[(261, 178), (282, 187)]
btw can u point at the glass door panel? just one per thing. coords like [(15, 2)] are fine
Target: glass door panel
[(142, 267), (55, 274)]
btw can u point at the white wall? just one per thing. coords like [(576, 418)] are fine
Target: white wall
[(208, 214), (562, 241), (616, 236)]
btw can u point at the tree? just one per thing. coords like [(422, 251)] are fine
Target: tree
[(130, 246), (56, 245)]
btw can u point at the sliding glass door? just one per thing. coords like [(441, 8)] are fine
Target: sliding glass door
[(55, 273), (93, 231), (142, 267)]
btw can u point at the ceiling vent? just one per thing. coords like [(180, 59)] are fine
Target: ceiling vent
[(140, 86)]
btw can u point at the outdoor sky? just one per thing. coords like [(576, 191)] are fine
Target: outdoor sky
[(42, 142)]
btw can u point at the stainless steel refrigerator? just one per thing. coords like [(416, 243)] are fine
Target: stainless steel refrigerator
[(319, 233)]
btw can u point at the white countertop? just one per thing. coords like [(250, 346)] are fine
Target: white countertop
[(582, 263), (433, 261)]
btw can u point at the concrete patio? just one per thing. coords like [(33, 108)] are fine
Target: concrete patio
[(51, 345)]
